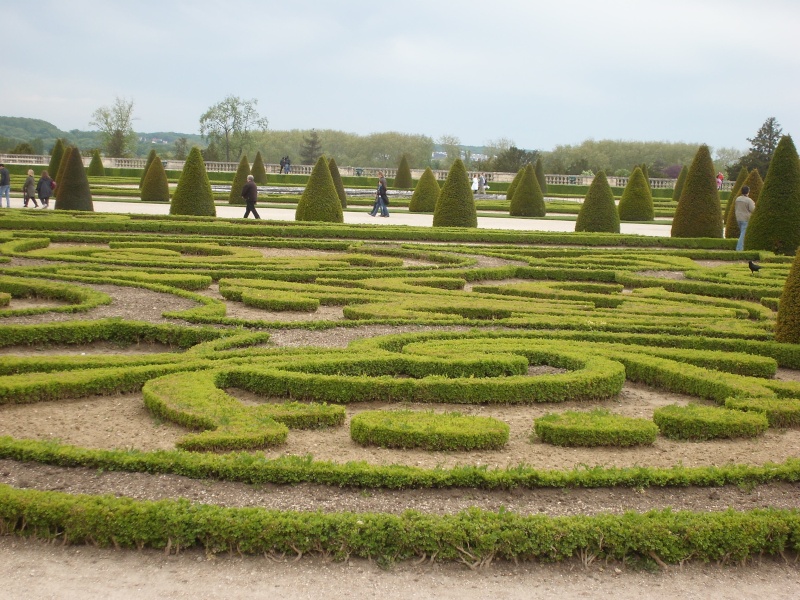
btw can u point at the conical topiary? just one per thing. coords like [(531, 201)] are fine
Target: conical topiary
[(193, 196), (775, 223), (527, 200), (319, 201), (787, 327), (337, 182), (540, 176), (239, 179), (61, 169), (259, 172), (96, 168), (155, 187), (599, 211), (755, 183), (699, 214), (636, 203), (402, 180), (737, 186), (646, 174), (514, 183), (151, 156), (73, 188), (455, 206), (676, 193), (55, 157), (425, 195)]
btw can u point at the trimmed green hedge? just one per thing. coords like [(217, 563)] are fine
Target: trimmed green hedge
[(779, 413), (596, 428), (696, 422)]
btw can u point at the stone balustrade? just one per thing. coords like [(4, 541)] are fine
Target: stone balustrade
[(228, 167)]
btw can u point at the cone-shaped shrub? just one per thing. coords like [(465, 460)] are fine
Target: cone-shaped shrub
[(403, 181), (455, 206), (775, 223), (319, 201), (540, 175), (636, 203), (425, 195), (755, 183), (646, 174), (96, 168), (514, 184), (193, 195), (61, 169), (55, 158), (155, 187), (239, 179), (259, 172), (337, 182), (599, 212), (676, 193), (735, 191), (699, 214), (787, 328), (527, 200), (73, 188), (151, 156)]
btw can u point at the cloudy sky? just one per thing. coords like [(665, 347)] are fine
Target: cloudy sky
[(538, 73)]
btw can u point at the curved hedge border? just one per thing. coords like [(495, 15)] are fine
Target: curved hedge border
[(779, 413), (427, 430), (596, 428), (696, 422)]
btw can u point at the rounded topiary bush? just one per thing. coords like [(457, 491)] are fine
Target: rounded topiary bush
[(527, 200), (775, 223), (540, 177), (193, 196), (699, 213), (73, 189), (427, 430), (402, 180), (96, 168), (151, 156), (780, 412), (787, 326), (456, 205), (337, 182), (596, 428), (155, 187), (755, 183), (636, 203), (676, 192), (426, 193), (599, 211), (239, 179), (259, 171), (696, 422), (514, 183), (319, 201)]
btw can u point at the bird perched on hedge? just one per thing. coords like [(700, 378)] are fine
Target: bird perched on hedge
[(753, 267)]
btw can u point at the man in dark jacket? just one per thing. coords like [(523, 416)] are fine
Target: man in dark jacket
[(5, 185), (250, 195)]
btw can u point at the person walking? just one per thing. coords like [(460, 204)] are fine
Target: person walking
[(288, 165), (250, 195), (381, 200), (45, 188), (29, 190), (283, 163), (475, 184), (481, 183), (744, 208), (5, 185)]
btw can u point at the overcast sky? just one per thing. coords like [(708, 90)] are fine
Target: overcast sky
[(538, 73)]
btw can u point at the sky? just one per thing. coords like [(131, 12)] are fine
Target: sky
[(539, 74)]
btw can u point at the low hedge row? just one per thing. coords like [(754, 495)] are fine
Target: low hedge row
[(473, 537), (80, 299), (428, 430), (696, 422), (596, 428), (779, 412), (278, 300)]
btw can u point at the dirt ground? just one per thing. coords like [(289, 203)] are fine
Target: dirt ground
[(32, 569)]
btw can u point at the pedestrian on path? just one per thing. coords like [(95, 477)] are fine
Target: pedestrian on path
[(5, 185), (744, 208), (381, 200), (250, 195), (29, 190)]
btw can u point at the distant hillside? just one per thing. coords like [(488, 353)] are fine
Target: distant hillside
[(42, 135)]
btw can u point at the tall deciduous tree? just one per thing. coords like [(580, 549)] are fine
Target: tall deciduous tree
[(116, 127), (231, 123), (514, 159)]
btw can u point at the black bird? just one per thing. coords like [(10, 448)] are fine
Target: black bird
[(753, 267)]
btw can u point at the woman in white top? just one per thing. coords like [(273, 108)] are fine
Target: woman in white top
[(474, 184)]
